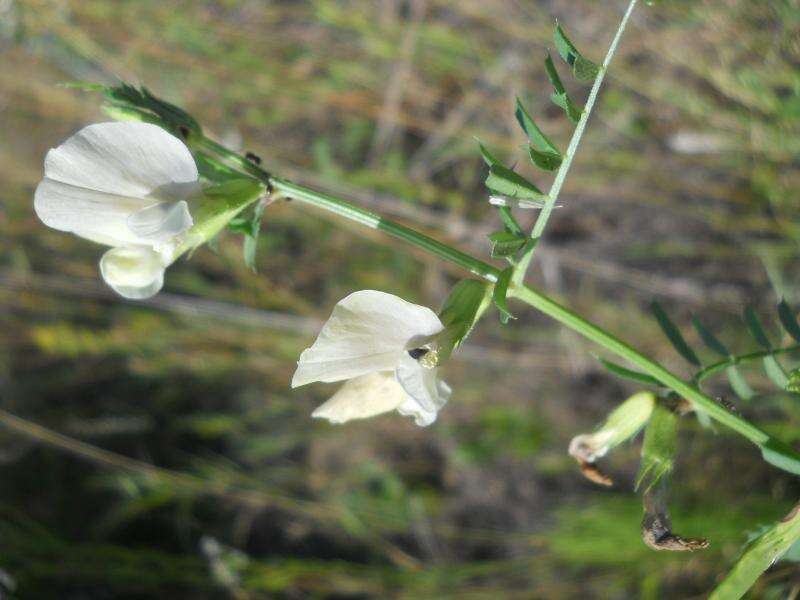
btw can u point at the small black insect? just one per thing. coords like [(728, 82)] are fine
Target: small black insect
[(728, 405), (418, 353), (253, 158)]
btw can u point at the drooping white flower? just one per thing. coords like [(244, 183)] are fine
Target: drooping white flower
[(125, 185), (386, 348)]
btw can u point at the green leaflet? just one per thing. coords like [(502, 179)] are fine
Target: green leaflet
[(509, 222), (630, 374), (548, 161), (756, 330), (500, 245), (560, 96), (249, 227), (127, 102), (504, 181), (537, 138), (499, 295), (565, 102), (508, 183), (505, 243), (487, 156), (659, 446), (674, 335), (788, 320), (759, 556), (780, 455), (775, 372), (738, 383), (553, 76), (709, 339), (582, 68), (467, 301)]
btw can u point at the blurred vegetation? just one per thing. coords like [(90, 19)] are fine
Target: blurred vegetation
[(684, 190)]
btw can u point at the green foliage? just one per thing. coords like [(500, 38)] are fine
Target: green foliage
[(535, 135), (789, 320), (249, 227), (462, 310), (560, 96), (582, 68), (506, 244), (219, 206), (761, 553), (673, 334), (709, 339), (775, 372), (127, 102), (506, 182), (739, 383), (754, 326), (629, 374), (780, 455), (548, 161), (499, 295), (541, 149)]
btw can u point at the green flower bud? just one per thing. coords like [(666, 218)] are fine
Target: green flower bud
[(621, 425)]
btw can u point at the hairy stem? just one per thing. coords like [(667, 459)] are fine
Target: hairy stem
[(555, 189)]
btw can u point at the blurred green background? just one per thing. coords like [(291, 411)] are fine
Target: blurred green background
[(684, 190)]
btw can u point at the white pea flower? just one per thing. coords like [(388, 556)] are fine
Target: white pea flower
[(386, 348), (125, 185)]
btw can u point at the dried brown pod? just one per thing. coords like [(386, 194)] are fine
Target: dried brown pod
[(593, 473), (657, 528)]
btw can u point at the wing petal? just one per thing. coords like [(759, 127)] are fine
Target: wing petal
[(363, 397)]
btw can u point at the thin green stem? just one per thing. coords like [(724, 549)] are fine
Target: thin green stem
[(394, 229), (716, 367), (563, 170), (355, 213), (786, 457), (610, 342)]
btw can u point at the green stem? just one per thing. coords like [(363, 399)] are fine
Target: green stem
[(563, 170), (355, 213), (716, 367), (394, 229), (610, 342), (786, 457)]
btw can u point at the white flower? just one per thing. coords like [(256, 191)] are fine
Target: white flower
[(386, 348), (125, 185)]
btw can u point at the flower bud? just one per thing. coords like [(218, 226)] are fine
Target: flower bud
[(621, 425)]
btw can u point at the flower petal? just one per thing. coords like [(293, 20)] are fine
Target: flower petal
[(426, 394), (363, 397), (135, 272), (161, 222), (368, 331), (99, 216), (137, 160), (588, 447)]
